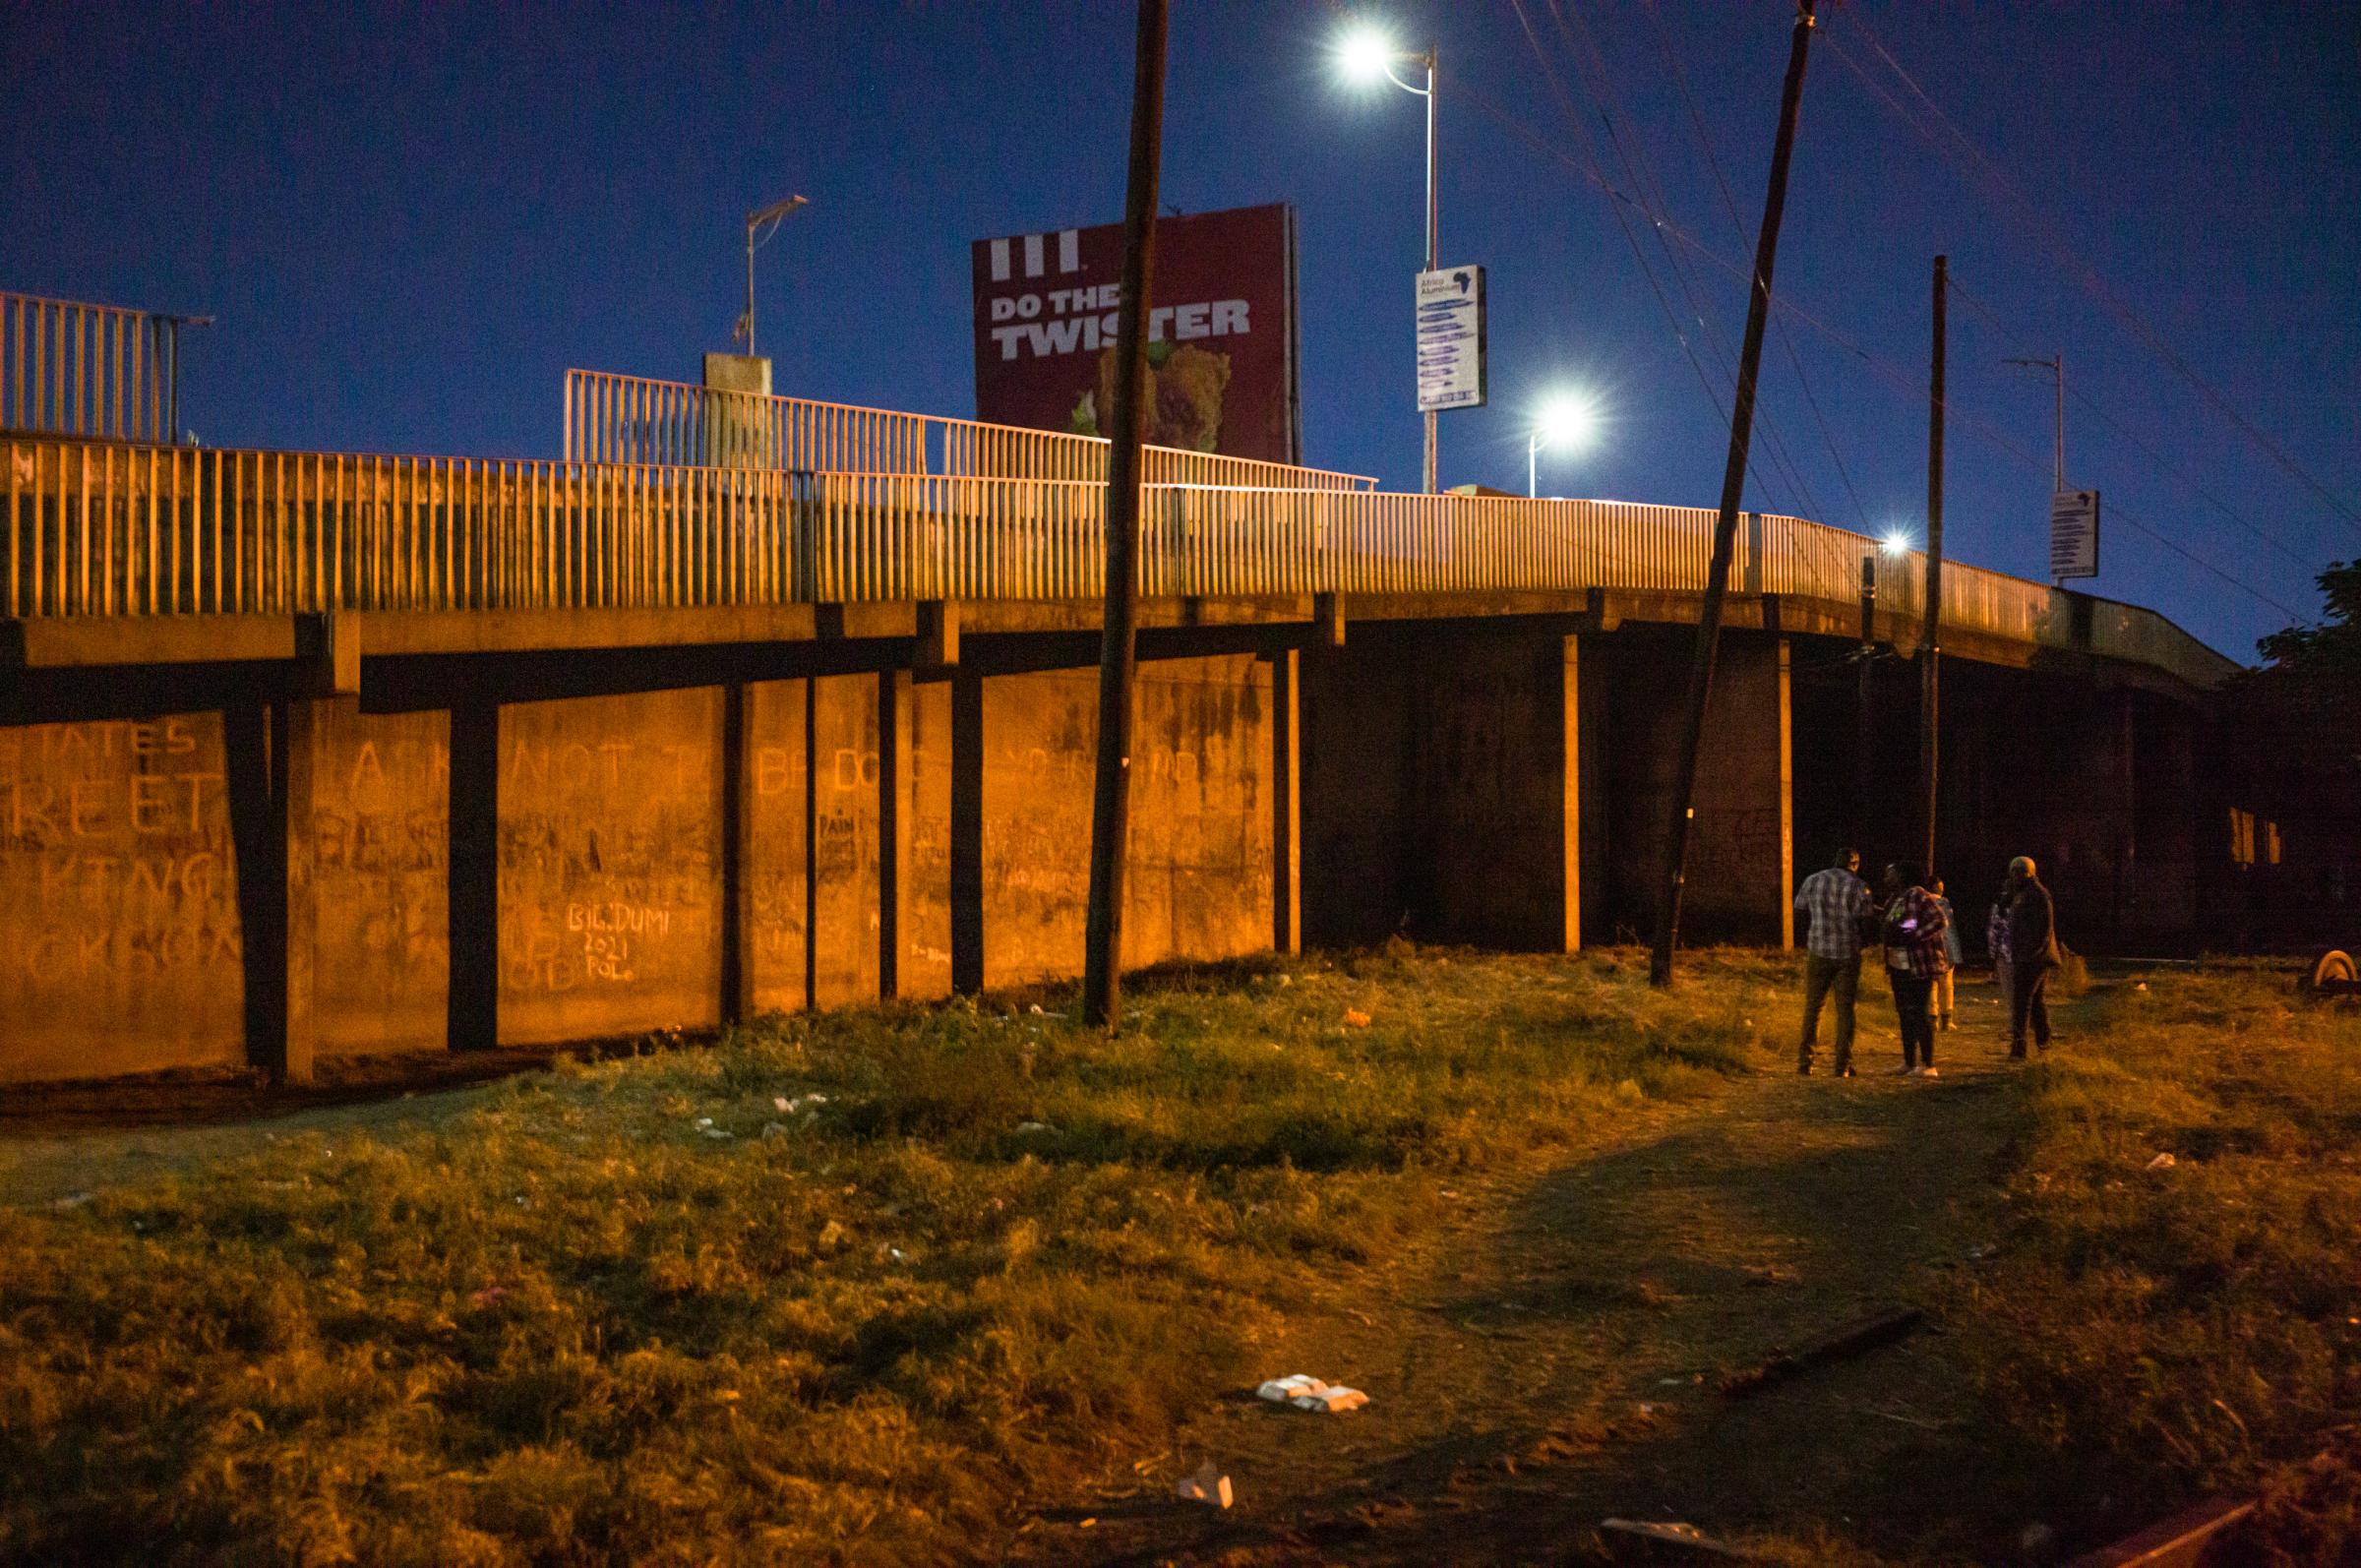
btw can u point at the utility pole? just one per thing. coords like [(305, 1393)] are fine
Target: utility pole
[(1865, 710), (1725, 527), (1434, 255), (1111, 805), (1930, 646)]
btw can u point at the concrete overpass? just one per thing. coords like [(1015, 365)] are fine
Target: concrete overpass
[(756, 703)]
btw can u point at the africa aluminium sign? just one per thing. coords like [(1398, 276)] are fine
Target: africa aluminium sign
[(1222, 344), (2073, 534), (1451, 338)]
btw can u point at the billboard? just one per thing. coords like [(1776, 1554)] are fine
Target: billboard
[(1221, 332)]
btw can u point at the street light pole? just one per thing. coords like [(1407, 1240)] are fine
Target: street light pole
[(2057, 371), (766, 220), (1434, 245)]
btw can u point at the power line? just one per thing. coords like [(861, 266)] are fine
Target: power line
[(1588, 168), (2091, 403), (1981, 168), (1730, 206), (1598, 178), (1637, 169)]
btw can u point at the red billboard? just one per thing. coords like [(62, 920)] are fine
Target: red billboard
[(1221, 335)]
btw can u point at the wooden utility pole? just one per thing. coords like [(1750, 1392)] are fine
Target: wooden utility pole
[(1930, 644), (1725, 527), (1110, 806)]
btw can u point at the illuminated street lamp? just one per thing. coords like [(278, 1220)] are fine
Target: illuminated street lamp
[(760, 225), (1367, 53), (1567, 423), (1897, 542)]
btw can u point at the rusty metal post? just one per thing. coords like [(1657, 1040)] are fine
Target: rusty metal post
[(1111, 807)]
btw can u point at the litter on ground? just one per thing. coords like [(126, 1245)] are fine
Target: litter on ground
[(1670, 1530), (1355, 1018), (1311, 1394), (1207, 1485), (2163, 1162)]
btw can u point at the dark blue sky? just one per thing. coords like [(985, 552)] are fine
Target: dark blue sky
[(410, 222)]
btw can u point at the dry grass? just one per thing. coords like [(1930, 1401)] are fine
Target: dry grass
[(579, 1324), (2150, 1333)]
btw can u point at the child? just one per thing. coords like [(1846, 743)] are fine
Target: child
[(1939, 996)]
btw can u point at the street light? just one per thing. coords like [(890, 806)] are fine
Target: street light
[(1897, 542), (760, 225), (1368, 53), (1567, 423)]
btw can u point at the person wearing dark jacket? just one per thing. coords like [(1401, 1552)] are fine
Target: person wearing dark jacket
[(1912, 927), (2032, 925)]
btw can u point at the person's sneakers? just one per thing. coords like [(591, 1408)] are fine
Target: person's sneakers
[(1844, 1073), (1804, 1070), (1928, 1072), (2017, 1054), (1903, 1071)]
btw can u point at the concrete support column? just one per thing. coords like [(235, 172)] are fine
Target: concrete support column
[(1286, 804), (274, 760), (473, 1006), (967, 832), (737, 888), (894, 817), (1570, 794)]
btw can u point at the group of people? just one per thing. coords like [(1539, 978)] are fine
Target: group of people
[(1910, 924)]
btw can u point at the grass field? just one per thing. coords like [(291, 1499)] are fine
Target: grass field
[(883, 1285)]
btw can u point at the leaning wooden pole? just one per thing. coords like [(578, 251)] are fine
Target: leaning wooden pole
[(1725, 527), (1930, 641), (1110, 806)]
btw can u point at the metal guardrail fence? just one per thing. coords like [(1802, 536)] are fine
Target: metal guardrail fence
[(630, 419), (109, 529), (84, 370)]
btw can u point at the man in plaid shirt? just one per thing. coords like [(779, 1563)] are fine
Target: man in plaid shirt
[(1832, 904)]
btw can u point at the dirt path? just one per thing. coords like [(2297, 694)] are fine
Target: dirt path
[(1554, 1363)]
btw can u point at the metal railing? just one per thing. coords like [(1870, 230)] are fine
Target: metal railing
[(72, 369), (102, 529), (630, 419), (111, 529)]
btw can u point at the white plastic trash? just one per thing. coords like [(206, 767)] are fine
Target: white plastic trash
[(1333, 1400), (1279, 1390)]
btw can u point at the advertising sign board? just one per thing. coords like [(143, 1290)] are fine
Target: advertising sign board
[(1221, 334), (2073, 534), (1451, 338)]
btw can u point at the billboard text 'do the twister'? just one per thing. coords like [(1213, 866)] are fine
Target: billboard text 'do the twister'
[(1222, 331)]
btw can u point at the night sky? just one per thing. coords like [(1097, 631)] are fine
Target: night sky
[(411, 223)]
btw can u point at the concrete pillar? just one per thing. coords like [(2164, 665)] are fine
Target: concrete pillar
[(737, 894), (967, 832), (472, 1016), (1570, 805), (273, 760), (1286, 804), (1786, 797)]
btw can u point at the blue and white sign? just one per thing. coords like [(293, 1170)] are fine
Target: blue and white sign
[(2073, 534), (1451, 338)]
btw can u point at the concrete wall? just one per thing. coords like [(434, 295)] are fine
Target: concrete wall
[(1199, 878), (381, 819), (1740, 857), (118, 900), (610, 882), (1501, 782)]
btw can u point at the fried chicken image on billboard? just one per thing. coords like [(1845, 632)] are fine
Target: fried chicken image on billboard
[(1185, 387)]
